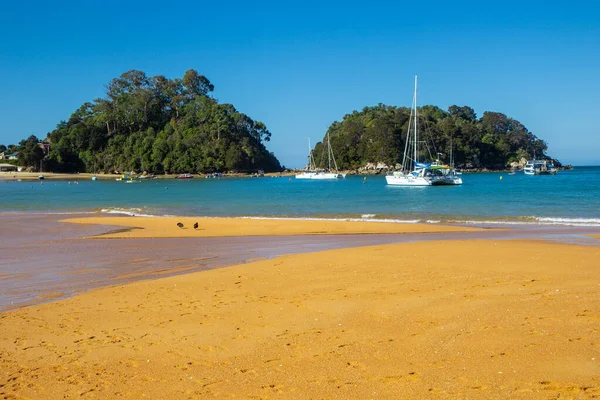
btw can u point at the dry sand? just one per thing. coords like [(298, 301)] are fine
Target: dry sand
[(162, 227), (443, 320)]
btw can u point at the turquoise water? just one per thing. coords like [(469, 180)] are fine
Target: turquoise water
[(570, 198)]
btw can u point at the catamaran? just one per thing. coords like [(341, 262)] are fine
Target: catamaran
[(415, 173), (313, 173)]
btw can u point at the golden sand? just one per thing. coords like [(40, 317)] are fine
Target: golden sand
[(437, 320), (160, 227)]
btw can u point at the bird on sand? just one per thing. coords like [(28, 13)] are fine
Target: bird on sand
[(179, 224), (196, 225)]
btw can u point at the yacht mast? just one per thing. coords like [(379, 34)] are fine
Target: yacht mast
[(310, 161), (415, 105), (328, 153)]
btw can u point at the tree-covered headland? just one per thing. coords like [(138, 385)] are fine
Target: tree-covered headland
[(161, 125), (378, 135), (157, 125)]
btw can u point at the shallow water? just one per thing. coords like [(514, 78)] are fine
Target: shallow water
[(43, 259), (568, 198)]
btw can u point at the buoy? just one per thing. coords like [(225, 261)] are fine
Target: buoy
[(500, 177)]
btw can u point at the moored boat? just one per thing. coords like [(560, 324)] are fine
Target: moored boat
[(539, 167), (312, 172)]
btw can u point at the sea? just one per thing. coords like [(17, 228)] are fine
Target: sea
[(568, 198)]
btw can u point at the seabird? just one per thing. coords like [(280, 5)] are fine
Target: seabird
[(196, 225), (179, 224)]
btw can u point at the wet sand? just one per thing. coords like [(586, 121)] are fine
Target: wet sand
[(482, 318), (163, 227), (45, 260)]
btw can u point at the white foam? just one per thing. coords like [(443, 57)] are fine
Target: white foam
[(535, 221), (389, 220), (570, 221), (368, 215), (133, 212)]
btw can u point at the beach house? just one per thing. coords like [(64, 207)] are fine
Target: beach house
[(7, 167)]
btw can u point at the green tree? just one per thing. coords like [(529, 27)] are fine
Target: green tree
[(379, 134), (158, 125), (30, 152)]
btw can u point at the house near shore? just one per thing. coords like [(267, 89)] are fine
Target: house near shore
[(5, 155), (7, 168)]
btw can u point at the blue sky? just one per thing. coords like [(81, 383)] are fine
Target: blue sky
[(299, 66)]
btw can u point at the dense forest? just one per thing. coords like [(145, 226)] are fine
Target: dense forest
[(378, 134), (160, 125), (157, 125)]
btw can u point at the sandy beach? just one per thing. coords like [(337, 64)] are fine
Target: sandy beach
[(34, 176), (475, 319), (164, 227)]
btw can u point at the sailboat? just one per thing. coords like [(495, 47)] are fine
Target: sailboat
[(313, 173), (414, 172)]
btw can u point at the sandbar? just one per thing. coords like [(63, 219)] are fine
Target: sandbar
[(477, 319), (163, 227)]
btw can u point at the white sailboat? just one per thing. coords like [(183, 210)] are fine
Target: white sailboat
[(313, 173), (415, 173)]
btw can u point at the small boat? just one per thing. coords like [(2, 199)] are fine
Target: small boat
[(539, 167), (94, 178), (184, 176), (147, 177), (215, 175), (41, 177)]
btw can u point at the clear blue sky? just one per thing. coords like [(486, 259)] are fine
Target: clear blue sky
[(299, 66)]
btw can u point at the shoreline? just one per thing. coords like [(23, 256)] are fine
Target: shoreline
[(439, 319), (164, 227), (33, 176), (148, 247)]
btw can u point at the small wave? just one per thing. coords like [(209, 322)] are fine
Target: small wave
[(591, 222), (570, 221), (388, 220), (133, 212), (368, 215)]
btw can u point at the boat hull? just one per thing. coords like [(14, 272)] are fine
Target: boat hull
[(407, 180), (447, 181), (320, 176)]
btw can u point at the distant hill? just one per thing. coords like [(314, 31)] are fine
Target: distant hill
[(158, 125), (378, 135)]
